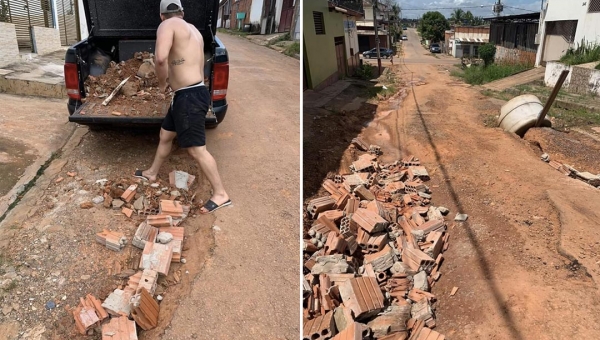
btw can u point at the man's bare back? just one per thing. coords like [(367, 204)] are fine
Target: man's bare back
[(181, 44)]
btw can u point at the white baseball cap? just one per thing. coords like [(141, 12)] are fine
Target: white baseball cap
[(165, 3)]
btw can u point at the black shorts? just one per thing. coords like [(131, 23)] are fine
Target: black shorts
[(187, 115)]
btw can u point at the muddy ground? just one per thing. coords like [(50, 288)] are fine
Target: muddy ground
[(526, 261)]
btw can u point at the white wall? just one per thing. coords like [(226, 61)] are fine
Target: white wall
[(256, 10), (351, 37), (82, 23), (588, 24)]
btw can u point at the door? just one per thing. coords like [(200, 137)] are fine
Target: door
[(25, 14), (340, 49), (287, 13)]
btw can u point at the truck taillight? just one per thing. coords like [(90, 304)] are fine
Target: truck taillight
[(220, 81), (72, 81)]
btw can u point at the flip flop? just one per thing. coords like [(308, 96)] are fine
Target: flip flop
[(138, 174), (212, 206)]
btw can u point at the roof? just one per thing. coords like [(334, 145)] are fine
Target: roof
[(518, 17), (472, 40)]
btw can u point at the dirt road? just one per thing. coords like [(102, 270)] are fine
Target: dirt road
[(526, 261), (240, 278)]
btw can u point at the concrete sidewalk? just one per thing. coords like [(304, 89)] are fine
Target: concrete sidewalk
[(517, 79), (41, 76)]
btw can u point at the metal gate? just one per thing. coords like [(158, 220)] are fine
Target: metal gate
[(67, 21), (25, 14), (287, 13)]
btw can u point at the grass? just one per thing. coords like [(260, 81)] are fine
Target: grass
[(477, 75), (293, 49), (233, 32), (285, 37), (583, 54), (563, 118)]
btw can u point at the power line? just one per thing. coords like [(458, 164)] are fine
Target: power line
[(521, 9), (438, 8)]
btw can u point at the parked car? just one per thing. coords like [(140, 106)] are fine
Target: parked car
[(435, 48), (113, 39), (404, 37), (383, 52)]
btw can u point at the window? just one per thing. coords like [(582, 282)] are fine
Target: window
[(476, 51), (594, 6), (319, 23)]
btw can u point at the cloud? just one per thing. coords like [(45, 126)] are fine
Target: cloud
[(477, 7)]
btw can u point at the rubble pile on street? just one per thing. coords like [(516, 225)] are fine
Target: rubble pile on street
[(588, 177), (159, 239), (128, 88), (372, 252)]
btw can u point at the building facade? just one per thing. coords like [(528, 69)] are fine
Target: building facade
[(466, 40), (366, 27), (515, 38), (330, 41), (565, 24)]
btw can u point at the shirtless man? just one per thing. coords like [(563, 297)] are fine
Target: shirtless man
[(180, 61)]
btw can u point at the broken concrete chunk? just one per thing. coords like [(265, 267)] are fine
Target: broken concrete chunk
[(420, 281), (139, 204), (421, 310), (146, 70), (445, 211), (461, 217), (117, 204), (98, 199), (181, 179), (157, 257), (164, 238), (117, 303), (335, 264), (145, 233), (545, 157)]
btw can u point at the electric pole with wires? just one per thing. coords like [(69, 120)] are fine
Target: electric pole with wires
[(375, 26)]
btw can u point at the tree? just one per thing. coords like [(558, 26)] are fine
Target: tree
[(3, 11), (468, 18), (458, 16), (433, 26), (487, 52)]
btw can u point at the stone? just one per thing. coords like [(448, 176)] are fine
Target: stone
[(181, 180), (130, 89), (445, 211), (164, 237), (183, 261), (331, 264), (139, 203), (98, 199), (420, 281), (6, 310), (85, 277), (86, 205), (50, 305), (175, 193), (545, 157), (461, 217), (154, 185), (146, 70), (117, 204), (399, 268)]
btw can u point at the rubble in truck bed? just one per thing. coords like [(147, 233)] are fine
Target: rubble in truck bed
[(372, 252), (139, 96)]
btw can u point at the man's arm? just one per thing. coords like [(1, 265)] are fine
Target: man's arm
[(164, 41)]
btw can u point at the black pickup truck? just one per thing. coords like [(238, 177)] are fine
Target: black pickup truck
[(117, 30)]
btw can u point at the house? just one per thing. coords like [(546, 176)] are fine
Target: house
[(515, 38), (366, 27), (565, 24), (464, 41), (330, 41), (262, 16), (224, 14)]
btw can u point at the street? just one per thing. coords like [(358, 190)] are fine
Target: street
[(240, 277), (525, 263)]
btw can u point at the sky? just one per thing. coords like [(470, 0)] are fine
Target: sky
[(485, 11)]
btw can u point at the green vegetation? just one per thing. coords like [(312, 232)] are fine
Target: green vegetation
[(285, 37), (433, 26), (293, 49), (233, 32), (583, 54), (4, 14), (459, 16), (365, 72), (487, 52), (477, 75)]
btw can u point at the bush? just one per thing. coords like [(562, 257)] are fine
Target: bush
[(477, 75), (487, 52), (583, 54), (365, 71), (293, 49)]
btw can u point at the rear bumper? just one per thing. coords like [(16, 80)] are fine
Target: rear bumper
[(219, 109)]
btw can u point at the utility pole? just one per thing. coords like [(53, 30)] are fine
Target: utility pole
[(376, 35), (498, 8)]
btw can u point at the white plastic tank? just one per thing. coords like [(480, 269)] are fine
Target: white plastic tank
[(521, 113)]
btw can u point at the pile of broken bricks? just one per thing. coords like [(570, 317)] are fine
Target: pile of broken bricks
[(588, 177), (372, 252), (160, 238)]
